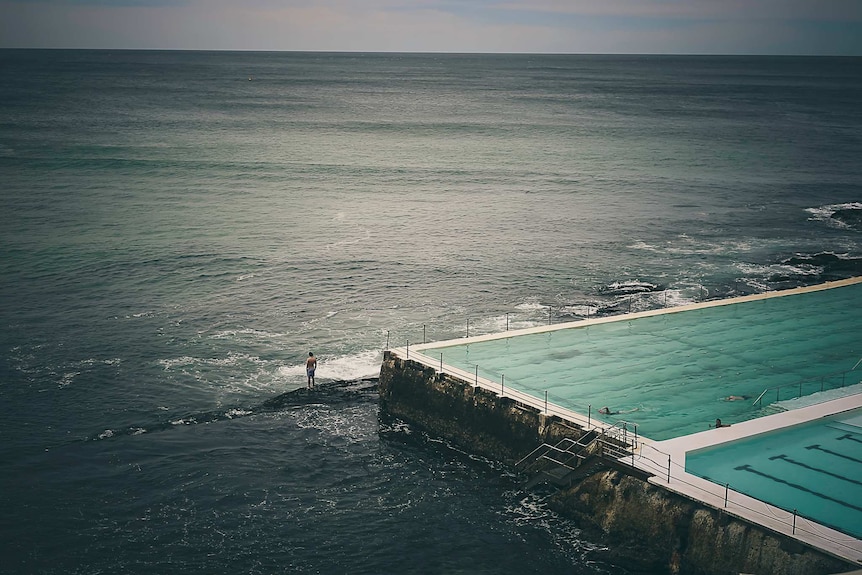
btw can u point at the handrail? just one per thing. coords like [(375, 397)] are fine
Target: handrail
[(759, 397), (799, 382)]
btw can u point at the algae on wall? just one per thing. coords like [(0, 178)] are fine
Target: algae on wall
[(470, 417), (666, 532)]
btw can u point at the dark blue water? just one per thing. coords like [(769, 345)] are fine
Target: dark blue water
[(179, 229)]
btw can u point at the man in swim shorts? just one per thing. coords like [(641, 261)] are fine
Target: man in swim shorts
[(310, 366)]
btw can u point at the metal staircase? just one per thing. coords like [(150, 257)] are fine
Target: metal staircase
[(561, 464)]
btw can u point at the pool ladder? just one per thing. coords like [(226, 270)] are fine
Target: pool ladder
[(810, 382)]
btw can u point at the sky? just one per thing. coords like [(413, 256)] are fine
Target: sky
[(815, 27)]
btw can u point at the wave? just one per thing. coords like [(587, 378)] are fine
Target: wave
[(847, 215), (685, 245), (787, 268), (349, 367), (231, 359), (628, 287), (256, 333), (801, 269)]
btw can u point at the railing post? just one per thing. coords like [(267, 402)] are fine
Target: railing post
[(589, 415), (502, 385), (441, 363), (408, 350), (477, 374), (668, 469), (794, 522), (549, 315), (423, 333), (726, 489), (507, 321), (468, 327), (387, 339), (546, 402)]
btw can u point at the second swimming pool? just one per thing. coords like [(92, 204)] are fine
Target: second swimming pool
[(814, 468)]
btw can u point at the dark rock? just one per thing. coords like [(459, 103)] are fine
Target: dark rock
[(849, 216)]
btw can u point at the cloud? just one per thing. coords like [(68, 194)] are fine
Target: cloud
[(586, 26), (736, 10)]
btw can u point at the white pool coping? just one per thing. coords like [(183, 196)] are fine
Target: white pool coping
[(419, 347), (653, 454)]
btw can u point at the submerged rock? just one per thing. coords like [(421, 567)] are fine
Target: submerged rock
[(849, 216)]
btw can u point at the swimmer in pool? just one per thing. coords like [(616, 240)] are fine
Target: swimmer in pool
[(737, 397)]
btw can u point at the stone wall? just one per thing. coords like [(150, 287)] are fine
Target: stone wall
[(662, 531), (645, 526), (473, 418)]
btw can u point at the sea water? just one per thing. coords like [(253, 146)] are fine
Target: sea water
[(179, 229)]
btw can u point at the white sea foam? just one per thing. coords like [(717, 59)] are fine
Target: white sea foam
[(68, 378), (676, 298), (824, 213), (93, 361), (350, 367), (531, 305), (231, 359), (256, 334), (344, 425), (761, 271), (581, 310), (231, 413), (631, 286), (684, 245), (342, 368)]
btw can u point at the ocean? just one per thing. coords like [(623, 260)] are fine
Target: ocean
[(180, 229)]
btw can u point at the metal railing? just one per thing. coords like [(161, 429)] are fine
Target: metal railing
[(644, 456), (556, 406), (811, 384), (725, 498)]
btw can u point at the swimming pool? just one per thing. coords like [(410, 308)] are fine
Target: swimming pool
[(814, 468), (672, 373)]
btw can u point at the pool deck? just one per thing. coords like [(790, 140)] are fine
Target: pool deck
[(654, 456), (666, 459)]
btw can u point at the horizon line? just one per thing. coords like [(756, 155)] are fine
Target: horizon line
[(438, 53)]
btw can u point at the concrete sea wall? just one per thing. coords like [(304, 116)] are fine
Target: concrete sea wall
[(646, 527)]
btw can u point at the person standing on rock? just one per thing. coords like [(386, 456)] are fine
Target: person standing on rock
[(310, 366)]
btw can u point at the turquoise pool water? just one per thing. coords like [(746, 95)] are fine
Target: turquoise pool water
[(815, 468), (671, 373)]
